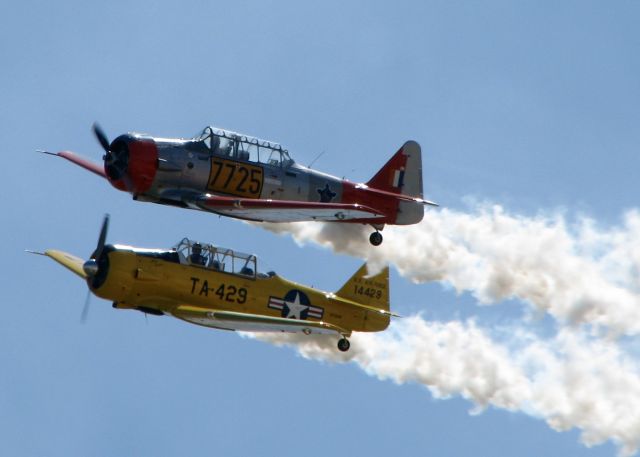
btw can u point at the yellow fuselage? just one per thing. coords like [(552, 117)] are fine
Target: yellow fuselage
[(142, 282)]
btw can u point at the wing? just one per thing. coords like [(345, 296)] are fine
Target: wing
[(68, 261), (81, 161), (268, 210), (231, 320)]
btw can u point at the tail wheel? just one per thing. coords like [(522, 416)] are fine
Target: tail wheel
[(375, 238), (344, 345)]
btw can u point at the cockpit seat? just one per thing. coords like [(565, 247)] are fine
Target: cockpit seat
[(243, 155)]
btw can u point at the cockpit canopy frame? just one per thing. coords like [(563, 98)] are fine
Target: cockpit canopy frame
[(243, 147), (216, 258)]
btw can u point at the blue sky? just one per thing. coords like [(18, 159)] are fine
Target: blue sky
[(530, 105)]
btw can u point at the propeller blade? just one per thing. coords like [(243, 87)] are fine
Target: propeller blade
[(102, 238), (101, 136), (85, 308)]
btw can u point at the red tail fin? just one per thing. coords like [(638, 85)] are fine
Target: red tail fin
[(402, 174)]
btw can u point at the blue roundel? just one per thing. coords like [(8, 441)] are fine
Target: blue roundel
[(326, 194), (296, 305)]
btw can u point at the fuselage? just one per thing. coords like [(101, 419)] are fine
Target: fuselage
[(161, 282), (176, 171)]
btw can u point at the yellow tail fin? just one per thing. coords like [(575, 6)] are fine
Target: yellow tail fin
[(370, 290)]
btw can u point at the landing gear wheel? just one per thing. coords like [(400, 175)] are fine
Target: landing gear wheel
[(344, 345), (376, 238)]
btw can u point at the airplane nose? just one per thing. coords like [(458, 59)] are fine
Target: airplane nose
[(97, 267), (90, 267), (116, 161), (131, 163)]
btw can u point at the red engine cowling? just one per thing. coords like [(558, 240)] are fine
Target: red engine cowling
[(131, 163)]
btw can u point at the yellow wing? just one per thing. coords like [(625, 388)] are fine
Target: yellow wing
[(231, 320), (68, 261)]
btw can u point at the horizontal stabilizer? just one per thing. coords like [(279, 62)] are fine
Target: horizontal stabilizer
[(406, 198)]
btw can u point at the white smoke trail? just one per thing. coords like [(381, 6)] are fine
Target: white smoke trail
[(582, 275), (569, 381), (578, 274)]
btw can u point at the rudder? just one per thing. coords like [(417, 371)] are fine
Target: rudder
[(402, 174), (370, 290)]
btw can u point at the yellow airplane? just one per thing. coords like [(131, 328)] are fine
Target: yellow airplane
[(221, 288)]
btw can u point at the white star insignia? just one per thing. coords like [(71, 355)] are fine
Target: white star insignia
[(295, 307)]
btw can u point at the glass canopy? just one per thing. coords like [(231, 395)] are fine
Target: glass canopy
[(218, 258), (242, 147)]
